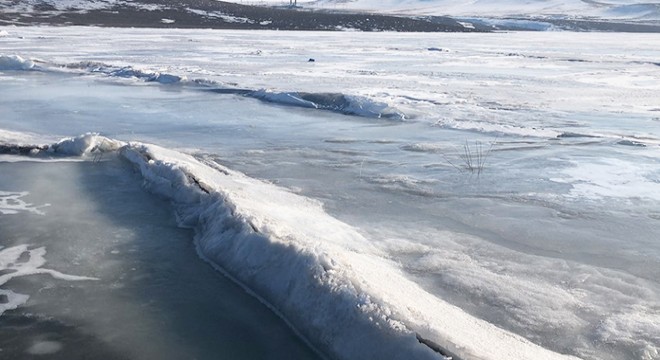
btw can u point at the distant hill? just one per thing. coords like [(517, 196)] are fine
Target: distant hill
[(342, 15), (629, 10), (207, 14)]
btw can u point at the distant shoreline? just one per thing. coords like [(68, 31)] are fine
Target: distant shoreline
[(211, 14), (223, 15)]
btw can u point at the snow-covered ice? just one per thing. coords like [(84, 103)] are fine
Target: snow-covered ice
[(326, 214)]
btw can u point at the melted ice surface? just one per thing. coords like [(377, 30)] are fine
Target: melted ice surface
[(18, 261)]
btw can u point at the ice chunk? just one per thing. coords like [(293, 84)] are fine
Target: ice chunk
[(15, 62), (85, 144)]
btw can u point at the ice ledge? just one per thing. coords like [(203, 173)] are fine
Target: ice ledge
[(320, 274)]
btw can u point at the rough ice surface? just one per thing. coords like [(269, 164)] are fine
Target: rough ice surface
[(14, 62), (578, 275)]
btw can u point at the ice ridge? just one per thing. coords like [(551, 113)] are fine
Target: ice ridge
[(337, 102), (320, 274), (345, 297)]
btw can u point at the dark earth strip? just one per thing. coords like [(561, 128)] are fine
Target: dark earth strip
[(223, 15)]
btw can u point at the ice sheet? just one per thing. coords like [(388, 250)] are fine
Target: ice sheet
[(577, 275), (17, 261)]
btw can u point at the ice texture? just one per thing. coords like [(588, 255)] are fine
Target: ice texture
[(554, 241), (20, 260)]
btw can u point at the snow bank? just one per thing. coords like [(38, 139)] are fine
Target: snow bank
[(317, 272), (15, 62)]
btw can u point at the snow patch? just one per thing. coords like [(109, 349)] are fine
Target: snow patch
[(610, 177), (11, 203), (20, 261)]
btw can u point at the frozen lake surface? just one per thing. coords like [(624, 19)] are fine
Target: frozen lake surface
[(145, 294), (402, 188)]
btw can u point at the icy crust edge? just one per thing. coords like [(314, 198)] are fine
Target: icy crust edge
[(336, 102), (82, 145), (320, 274)]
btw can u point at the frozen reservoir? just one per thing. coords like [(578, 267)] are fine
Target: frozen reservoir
[(128, 283), (495, 200)]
